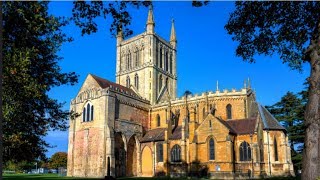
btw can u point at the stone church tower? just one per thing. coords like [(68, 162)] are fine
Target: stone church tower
[(147, 63)]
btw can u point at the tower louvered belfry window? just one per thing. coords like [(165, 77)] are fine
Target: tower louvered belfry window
[(160, 62)]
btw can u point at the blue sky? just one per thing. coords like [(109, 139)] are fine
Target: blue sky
[(206, 54)]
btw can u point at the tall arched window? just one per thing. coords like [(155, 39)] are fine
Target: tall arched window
[(170, 63), (130, 61), (91, 113), (137, 58), (276, 157), (245, 151), (158, 120), (160, 82), (160, 152), (128, 81), (229, 111), (204, 113), (211, 149), (87, 113), (84, 114), (176, 153), (136, 81), (166, 62), (160, 62)]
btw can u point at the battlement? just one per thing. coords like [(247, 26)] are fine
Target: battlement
[(132, 39), (210, 94)]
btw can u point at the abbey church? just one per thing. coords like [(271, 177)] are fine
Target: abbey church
[(137, 126)]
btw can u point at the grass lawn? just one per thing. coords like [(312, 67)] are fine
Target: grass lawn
[(56, 177), (38, 177)]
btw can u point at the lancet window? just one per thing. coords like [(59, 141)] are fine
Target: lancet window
[(87, 113)]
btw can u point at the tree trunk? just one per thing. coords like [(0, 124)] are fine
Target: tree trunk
[(311, 152), (1, 112)]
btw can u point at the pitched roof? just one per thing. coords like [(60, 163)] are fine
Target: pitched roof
[(269, 122), (176, 134), (242, 126), (158, 134), (154, 135), (227, 125), (103, 83)]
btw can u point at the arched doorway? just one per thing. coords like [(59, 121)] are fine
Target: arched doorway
[(120, 156), (132, 157), (147, 162)]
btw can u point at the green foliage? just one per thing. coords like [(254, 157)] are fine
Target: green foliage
[(199, 3), (31, 40), (57, 160), (187, 93), (84, 14), (290, 112), (267, 27), (18, 167)]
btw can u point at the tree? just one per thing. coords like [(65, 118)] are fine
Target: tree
[(31, 39), (58, 159), (84, 14), (290, 112), (292, 30)]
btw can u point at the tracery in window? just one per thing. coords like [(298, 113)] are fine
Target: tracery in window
[(211, 149), (87, 113), (176, 153), (245, 151)]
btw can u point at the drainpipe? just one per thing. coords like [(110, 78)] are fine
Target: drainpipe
[(269, 153), (252, 168), (234, 158)]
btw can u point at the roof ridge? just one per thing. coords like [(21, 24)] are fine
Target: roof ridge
[(272, 117), (100, 80)]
